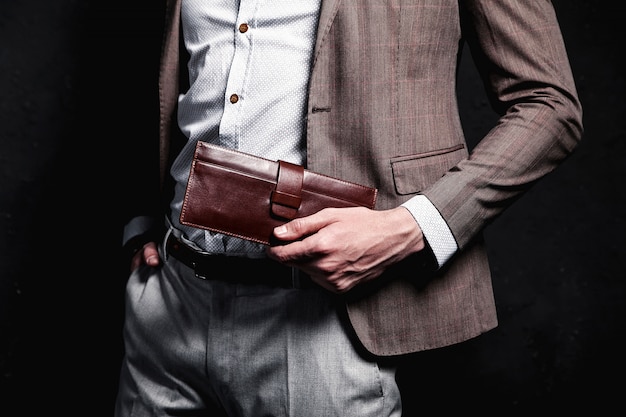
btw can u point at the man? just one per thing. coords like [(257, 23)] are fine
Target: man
[(363, 91)]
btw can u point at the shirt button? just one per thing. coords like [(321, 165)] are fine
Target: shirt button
[(243, 28), (234, 98)]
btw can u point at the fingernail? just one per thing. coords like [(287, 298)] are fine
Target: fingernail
[(280, 230)]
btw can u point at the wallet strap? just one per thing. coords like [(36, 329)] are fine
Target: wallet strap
[(287, 196)]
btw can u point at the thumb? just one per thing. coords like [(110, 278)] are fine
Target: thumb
[(301, 227), (151, 254)]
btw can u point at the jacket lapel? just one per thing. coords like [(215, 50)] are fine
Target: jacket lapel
[(328, 12)]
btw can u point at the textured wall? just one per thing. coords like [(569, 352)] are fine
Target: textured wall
[(67, 118)]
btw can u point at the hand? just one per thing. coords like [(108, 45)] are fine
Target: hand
[(148, 255), (341, 247)]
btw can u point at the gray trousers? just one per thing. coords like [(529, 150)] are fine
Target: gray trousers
[(209, 348)]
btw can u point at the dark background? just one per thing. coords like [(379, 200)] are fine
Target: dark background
[(75, 77)]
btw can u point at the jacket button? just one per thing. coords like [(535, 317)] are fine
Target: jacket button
[(234, 98), (243, 28)]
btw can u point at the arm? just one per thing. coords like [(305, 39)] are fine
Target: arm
[(520, 54), (139, 241)]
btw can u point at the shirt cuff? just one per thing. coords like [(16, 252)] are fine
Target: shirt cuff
[(137, 226), (434, 227)]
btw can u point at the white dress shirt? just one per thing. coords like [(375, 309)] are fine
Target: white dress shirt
[(249, 70)]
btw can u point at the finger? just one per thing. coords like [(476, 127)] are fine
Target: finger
[(293, 253), (151, 254), (136, 260), (304, 226)]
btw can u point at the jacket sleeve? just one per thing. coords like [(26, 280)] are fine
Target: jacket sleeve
[(520, 54)]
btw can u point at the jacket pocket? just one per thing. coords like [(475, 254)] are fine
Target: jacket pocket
[(414, 173)]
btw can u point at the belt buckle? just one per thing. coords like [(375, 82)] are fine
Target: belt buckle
[(195, 271)]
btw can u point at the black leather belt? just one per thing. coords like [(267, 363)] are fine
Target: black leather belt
[(235, 269)]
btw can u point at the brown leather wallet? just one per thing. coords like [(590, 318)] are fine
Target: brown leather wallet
[(247, 196)]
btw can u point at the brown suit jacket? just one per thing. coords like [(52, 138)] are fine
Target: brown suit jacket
[(382, 111)]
